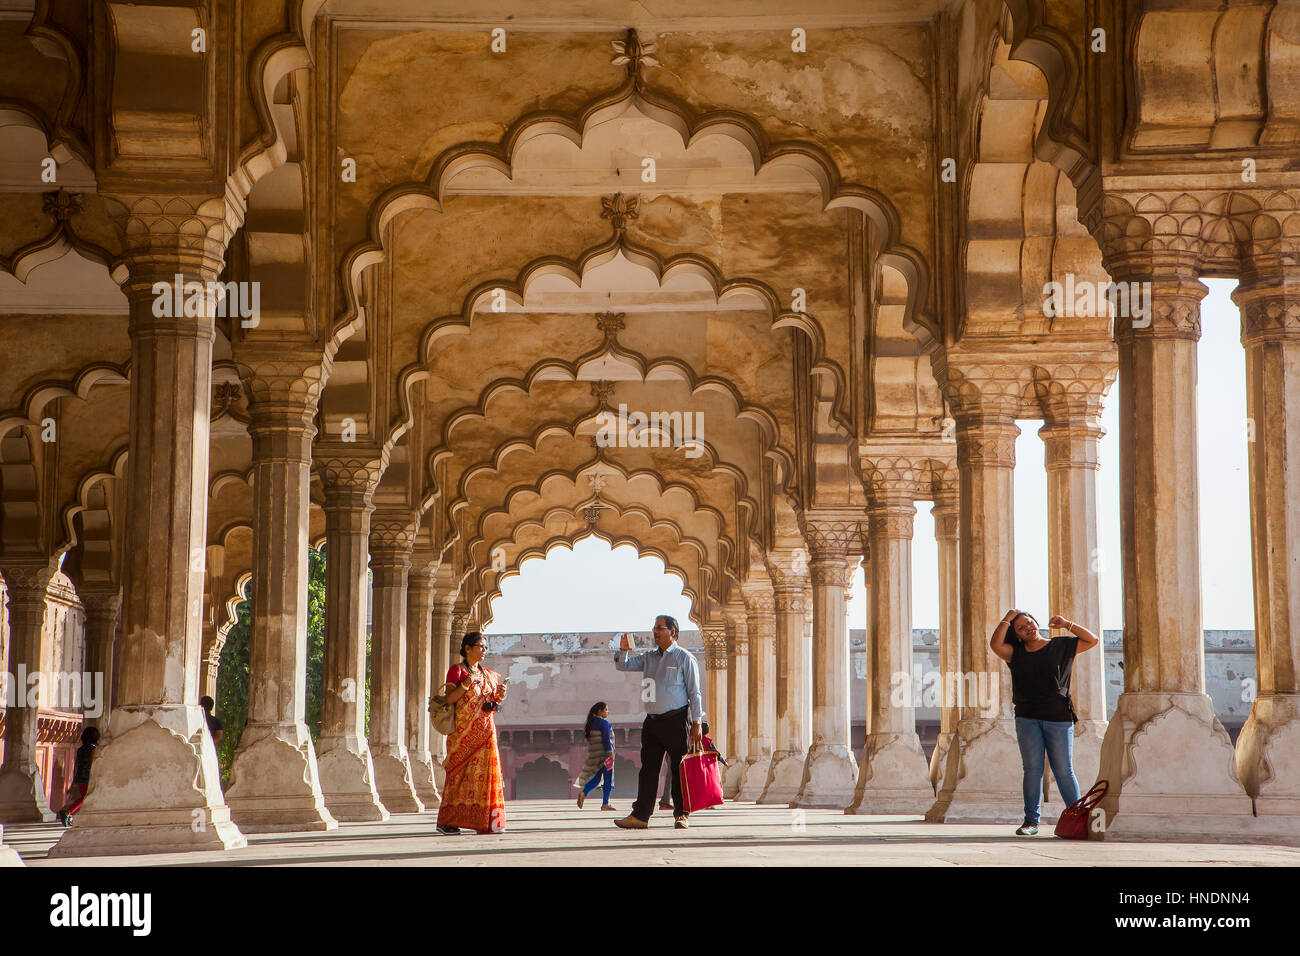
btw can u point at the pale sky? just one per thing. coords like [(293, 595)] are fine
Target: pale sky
[(594, 588)]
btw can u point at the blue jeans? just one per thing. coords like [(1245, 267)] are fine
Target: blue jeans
[(1057, 739), (606, 780)]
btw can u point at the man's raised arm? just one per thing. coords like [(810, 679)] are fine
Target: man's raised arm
[(625, 660)]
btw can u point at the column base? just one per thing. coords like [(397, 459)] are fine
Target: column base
[(733, 778), (22, 797), (755, 779), (784, 776), (982, 778), (939, 760), (894, 777), (1088, 737), (8, 855), (422, 776), (393, 780), (828, 777), (1172, 772), (274, 782), (154, 789), (347, 780)]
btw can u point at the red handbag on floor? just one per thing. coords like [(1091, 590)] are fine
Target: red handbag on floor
[(701, 784), (1073, 824)]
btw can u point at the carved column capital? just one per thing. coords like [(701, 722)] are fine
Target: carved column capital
[(392, 536), (1070, 393), (350, 482), (789, 600), (27, 581), (715, 646), (1270, 303), (787, 567), (168, 235), (833, 537), (284, 389), (982, 386), (987, 442)]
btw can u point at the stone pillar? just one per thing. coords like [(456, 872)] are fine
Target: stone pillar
[(761, 622), (1070, 443), (102, 607), (789, 572), (441, 660), (419, 640), (22, 791), (1169, 762), (1267, 748), (156, 785), (215, 629), (390, 562), (715, 682), (981, 781), (347, 773), (737, 699), (946, 533), (830, 769), (893, 775), (274, 779)]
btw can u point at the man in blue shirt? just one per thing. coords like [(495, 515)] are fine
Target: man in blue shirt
[(674, 709)]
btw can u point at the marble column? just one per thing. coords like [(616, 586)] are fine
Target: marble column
[(441, 661), (737, 699), (214, 631), (22, 791), (893, 775), (419, 640), (761, 622), (946, 534), (1268, 748), (390, 563), (347, 772), (790, 747), (1070, 442), (102, 607), (981, 781), (274, 778), (1169, 762), (715, 682), (830, 769), (156, 785)]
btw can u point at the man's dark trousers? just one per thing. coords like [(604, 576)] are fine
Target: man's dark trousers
[(665, 734)]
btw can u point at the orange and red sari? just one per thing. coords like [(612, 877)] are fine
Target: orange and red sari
[(474, 796)]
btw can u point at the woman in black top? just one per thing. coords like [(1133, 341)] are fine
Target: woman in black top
[(80, 775), (1040, 693)]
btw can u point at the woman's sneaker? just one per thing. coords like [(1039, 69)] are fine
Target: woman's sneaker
[(1027, 829), (449, 831)]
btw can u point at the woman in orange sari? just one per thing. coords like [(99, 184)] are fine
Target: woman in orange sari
[(473, 797)]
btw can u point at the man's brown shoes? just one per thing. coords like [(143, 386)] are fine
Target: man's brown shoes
[(680, 822), (630, 822)]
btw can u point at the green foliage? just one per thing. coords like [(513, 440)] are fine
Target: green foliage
[(315, 638), (232, 671), (232, 690)]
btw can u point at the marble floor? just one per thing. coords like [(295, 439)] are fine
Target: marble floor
[(555, 832)]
